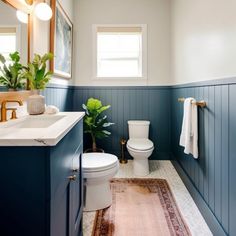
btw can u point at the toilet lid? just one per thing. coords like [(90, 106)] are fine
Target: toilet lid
[(98, 161), (140, 144)]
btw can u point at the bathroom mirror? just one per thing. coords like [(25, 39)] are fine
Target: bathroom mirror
[(15, 29)]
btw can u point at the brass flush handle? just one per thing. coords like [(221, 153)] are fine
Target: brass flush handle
[(72, 177)]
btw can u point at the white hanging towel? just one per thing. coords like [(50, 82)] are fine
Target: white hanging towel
[(189, 133)]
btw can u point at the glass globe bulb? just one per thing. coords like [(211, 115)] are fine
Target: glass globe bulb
[(22, 16), (43, 11)]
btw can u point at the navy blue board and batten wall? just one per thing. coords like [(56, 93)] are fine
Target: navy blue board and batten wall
[(60, 96), (132, 103), (211, 178)]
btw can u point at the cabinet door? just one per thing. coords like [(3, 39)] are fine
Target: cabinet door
[(76, 195), (61, 159)]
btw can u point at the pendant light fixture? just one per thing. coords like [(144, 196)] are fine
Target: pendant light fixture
[(22, 16), (42, 10)]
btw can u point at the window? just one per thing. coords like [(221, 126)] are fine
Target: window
[(120, 51), (7, 41)]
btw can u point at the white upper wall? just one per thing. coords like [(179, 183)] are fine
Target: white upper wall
[(194, 40), (203, 36), (68, 6), (154, 13)]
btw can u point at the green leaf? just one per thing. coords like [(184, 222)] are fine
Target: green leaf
[(108, 124), (2, 59), (36, 60), (4, 81), (100, 135), (93, 104), (15, 56), (40, 74), (106, 132), (102, 120), (7, 71), (46, 57), (49, 74), (84, 106), (104, 108), (88, 120)]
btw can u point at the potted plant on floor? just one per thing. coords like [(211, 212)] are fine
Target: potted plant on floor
[(95, 123), (38, 76), (11, 72)]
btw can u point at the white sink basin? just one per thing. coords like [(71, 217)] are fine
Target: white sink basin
[(33, 122), (40, 130)]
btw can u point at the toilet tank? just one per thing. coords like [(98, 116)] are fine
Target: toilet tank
[(138, 128)]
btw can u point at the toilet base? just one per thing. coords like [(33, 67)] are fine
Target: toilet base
[(141, 167), (97, 196)]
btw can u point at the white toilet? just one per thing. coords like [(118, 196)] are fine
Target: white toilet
[(139, 146), (98, 170)]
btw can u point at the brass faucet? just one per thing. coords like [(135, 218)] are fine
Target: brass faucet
[(4, 110)]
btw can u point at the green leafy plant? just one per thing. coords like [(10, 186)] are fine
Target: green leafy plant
[(37, 73), (11, 73), (94, 122)]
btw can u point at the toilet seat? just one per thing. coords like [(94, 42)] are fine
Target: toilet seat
[(140, 144), (98, 162)]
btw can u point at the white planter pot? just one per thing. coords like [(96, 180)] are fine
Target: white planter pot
[(36, 103)]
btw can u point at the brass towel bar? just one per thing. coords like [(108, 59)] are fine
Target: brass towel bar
[(199, 103)]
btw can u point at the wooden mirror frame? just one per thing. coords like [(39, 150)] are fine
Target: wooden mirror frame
[(20, 6)]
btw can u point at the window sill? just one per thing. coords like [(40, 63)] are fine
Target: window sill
[(120, 78), (123, 81)]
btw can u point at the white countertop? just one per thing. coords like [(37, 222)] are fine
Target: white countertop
[(12, 133)]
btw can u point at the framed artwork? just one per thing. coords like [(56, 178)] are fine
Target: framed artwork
[(61, 41)]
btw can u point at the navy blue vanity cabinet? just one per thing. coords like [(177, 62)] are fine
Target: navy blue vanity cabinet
[(42, 189)]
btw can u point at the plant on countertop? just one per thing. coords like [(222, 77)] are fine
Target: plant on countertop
[(94, 122), (11, 73), (36, 72)]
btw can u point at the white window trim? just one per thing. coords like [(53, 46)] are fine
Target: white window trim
[(18, 35), (144, 53)]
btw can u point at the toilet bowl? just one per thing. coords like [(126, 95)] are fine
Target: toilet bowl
[(98, 170), (139, 146)]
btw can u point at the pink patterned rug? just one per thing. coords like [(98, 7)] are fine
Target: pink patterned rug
[(140, 207)]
